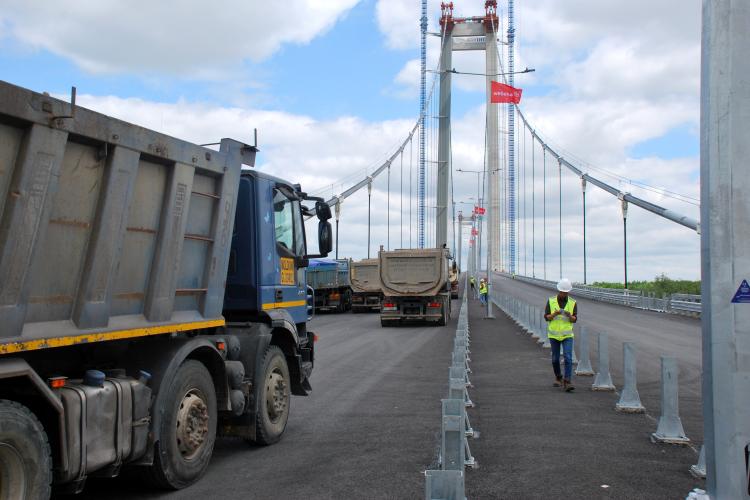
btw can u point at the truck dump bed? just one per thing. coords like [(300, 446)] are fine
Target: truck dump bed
[(107, 230), (414, 272), (328, 273), (364, 276)]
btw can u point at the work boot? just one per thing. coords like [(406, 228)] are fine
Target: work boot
[(558, 382), (568, 386)]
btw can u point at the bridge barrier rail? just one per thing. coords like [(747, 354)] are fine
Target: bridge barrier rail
[(677, 303), (447, 483)]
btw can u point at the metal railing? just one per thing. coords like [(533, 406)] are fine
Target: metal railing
[(677, 303), (447, 483)]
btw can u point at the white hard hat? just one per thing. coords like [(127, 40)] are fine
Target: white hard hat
[(564, 285)]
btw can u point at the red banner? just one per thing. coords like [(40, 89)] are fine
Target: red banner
[(479, 210), (502, 93)]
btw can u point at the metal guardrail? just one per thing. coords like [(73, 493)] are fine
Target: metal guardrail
[(677, 303), (447, 483)]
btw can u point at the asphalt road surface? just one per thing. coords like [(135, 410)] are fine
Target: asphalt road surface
[(654, 334), (372, 424), (369, 429)]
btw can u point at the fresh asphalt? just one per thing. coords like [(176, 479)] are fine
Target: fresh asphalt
[(372, 425), (537, 441), (654, 334), (369, 429)]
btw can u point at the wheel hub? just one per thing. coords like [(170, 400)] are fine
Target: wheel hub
[(12, 473), (192, 424), (276, 396)]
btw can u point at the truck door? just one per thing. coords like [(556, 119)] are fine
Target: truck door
[(290, 291)]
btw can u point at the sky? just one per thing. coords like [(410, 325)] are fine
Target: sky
[(332, 88)]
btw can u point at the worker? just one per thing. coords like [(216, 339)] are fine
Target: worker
[(561, 312), (483, 291), (472, 283)]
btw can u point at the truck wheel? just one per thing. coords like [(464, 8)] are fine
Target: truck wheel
[(273, 400), (25, 455), (188, 428), (445, 314)]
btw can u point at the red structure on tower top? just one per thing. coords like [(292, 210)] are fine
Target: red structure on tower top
[(446, 18)]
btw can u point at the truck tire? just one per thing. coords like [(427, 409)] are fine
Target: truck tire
[(442, 321), (25, 454), (188, 428), (445, 313), (273, 398)]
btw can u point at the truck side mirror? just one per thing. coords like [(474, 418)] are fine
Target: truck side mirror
[(325, 239), (323, 211)]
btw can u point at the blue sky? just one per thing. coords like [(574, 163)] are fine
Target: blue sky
[(331, 87)]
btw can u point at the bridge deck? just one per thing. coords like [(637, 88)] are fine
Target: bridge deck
[(655, 334), (372, 425), (540, 442)]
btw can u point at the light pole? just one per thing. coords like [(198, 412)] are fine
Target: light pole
[(583, 190), (369, 206), (625, 238), (338, 215)]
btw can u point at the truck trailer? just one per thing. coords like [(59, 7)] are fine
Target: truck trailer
[(152, 297), (329, 280), (416, 286), (366, 292)]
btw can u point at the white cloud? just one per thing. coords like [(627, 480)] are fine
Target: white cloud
[(190, 38)]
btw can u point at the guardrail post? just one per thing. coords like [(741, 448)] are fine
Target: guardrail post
[(536, 330), (444, 485), (584, 361), (630, 401), (452, 446), (603, 379), (544, 340), (458, 372), (670, 428), (699, 470)]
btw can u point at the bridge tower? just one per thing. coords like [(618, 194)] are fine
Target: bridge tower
[(444, 121), (493, 138)]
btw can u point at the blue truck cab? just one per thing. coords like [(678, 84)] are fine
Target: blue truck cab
[(266, 274)]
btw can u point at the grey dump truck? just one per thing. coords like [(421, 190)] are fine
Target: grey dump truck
[(329, 280), (366, 290), (152, 297), (416, 286)]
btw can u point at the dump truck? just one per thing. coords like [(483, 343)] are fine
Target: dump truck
[(329, 280), (416, 286), (365, 286), (152, 297)]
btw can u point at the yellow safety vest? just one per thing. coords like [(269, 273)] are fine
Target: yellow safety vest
[(472, 280), (483, 288), (560, 328)]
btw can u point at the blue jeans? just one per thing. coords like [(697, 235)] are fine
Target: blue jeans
[(567, 346), (483, 298)]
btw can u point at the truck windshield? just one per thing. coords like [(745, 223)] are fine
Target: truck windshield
[(283, 220)]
